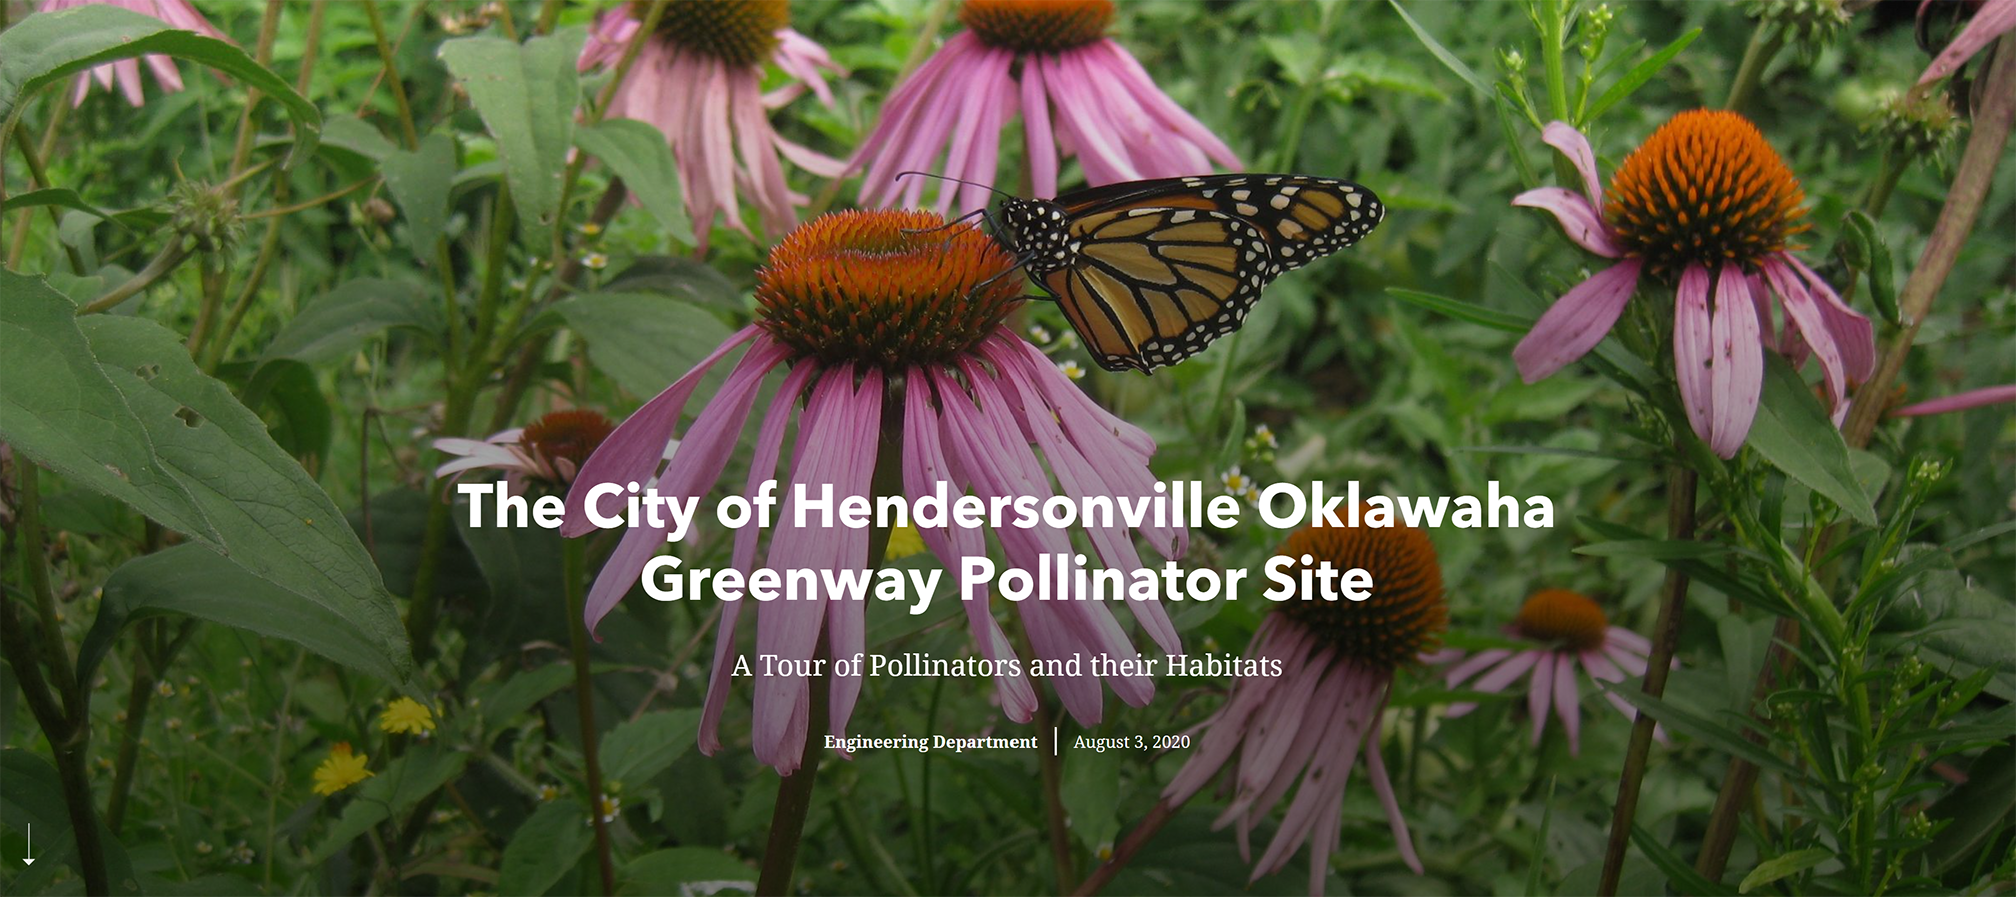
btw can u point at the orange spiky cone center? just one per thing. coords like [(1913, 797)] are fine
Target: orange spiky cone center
[(1564, 617), (1037, 26), (573, 435), (1704, 189), (885, 288), (738, 32), (1405, 614)]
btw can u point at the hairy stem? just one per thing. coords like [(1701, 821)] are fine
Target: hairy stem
[(794, 799), (1681, 483), (1949, 234)]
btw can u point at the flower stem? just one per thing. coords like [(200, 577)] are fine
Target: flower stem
[(574, 573), (1681, 483), (1152, 823), (1956, 221), (1765, 43), (162, 263), (68, 728), (794, 799), (1741, 776)]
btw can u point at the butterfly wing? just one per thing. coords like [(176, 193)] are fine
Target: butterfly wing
[(1152, 285), (1302, 218)]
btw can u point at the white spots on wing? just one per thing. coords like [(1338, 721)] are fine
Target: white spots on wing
[(1246, 209), (1279, 201)]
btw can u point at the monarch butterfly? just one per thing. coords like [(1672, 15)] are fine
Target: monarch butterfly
[(1150, 272)]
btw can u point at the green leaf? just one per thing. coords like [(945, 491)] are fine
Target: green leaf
[(1638, 75), (642, 341), (306, 422), (1091, 794), (638, 153), (193, 580), (1868, 252), (272, 519), (1794, 433), (392, 792), (53, 196), (1464, 311), (34, 797), (1678, 871), (1656, 549), (1686, 722), (680, 278), (1977, 810), (526, 96), (501, 703), (1783, 865), (60, 410), (347, 317), (47, 47), (1441, 53), (544, 848), (666, 871), (419, 180), (638, 750)]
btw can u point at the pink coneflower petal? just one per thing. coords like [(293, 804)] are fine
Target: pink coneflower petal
[(1570, 142), (633, 452), (1805, 315), (1991, 20), (1582, 222), (1039, 145), (1693, 349), (1540, 693), (1577, 322), (1629, 640), (694, 470), (1568, 700), (924, 465), (1382, 785), (1853, 333), (1124, 67), (762, 467), (1599, 666), (1737, 375), (1973, 398), (1223, 733)]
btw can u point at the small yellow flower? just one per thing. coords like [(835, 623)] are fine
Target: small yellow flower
[(1039, 334), (408, 716), (165, 689), (590, 229), (549, 793), (341, 770), (595, 261), (903, 542), (204, 848), (611, 805), (1071, 370), (1236, 483), (1264, 435)]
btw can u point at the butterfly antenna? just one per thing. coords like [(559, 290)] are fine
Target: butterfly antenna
[(987, 187)]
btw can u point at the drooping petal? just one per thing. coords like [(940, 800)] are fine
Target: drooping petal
[(1693, 350), (1382, 785), (1582, 222), (1568, 700), (1973, 398), (634, 450), (1540, 694), (1577, 322), (1802, 312), (1991, 20), (1563, 136), (1854, 335), (1737, 373)]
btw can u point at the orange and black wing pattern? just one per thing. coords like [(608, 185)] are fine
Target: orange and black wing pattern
[(1151, 286)]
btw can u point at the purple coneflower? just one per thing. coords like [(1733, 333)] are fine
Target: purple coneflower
[(126, 72), (1576, 631), (1337, 660), (890, 326), (1991, 19), (698, 80), (1031, 57), (1706, 204), (550, 450)]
